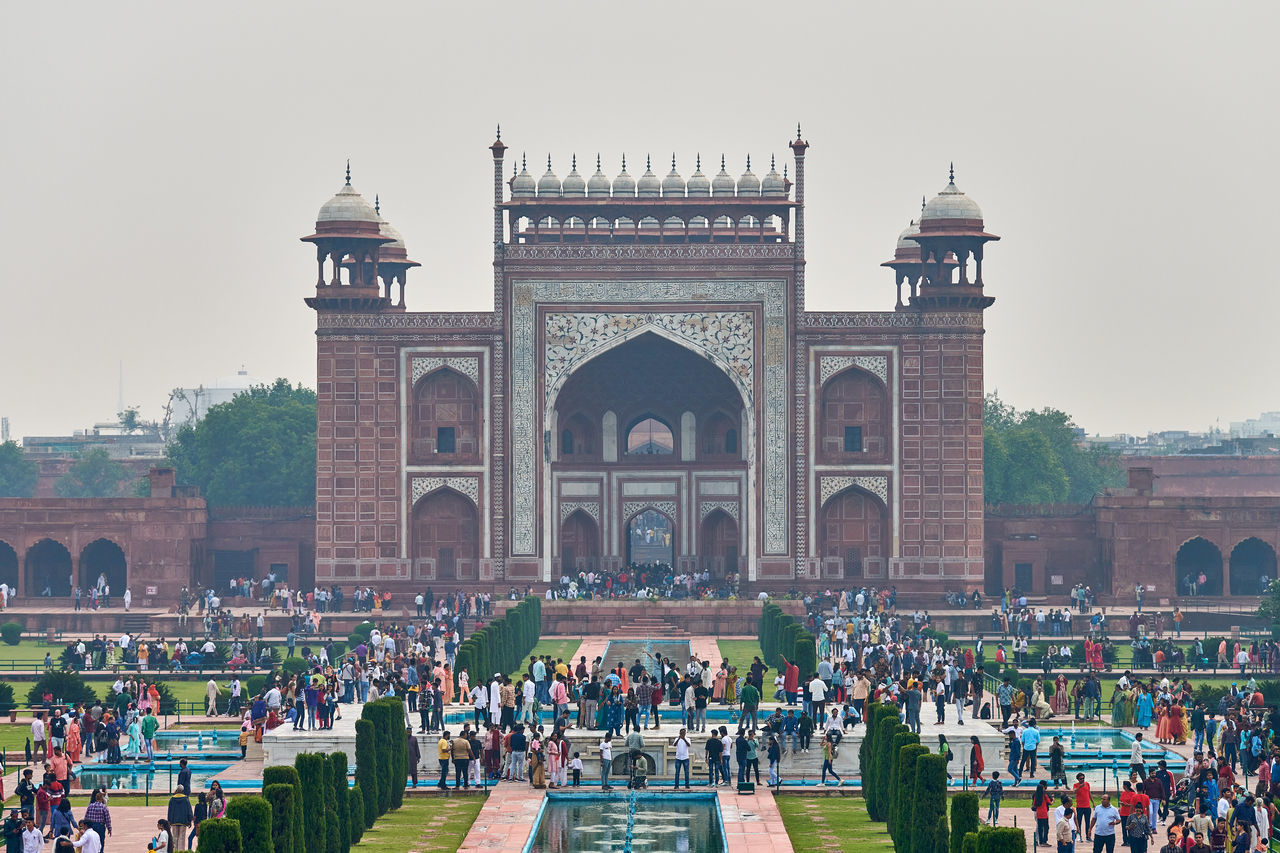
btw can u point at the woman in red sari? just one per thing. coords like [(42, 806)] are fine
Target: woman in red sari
[(976, 764)]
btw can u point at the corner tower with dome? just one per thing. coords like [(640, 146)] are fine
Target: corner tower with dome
[(648, 366)]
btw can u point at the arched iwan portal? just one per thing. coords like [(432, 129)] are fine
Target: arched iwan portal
[(102, 562), (8, 566), (651, 538), (48, 569), (1252, 567), (855, 528), (1200, 560), (579, 543), (446, 529)]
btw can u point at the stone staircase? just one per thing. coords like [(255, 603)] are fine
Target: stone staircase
[(653, 627)]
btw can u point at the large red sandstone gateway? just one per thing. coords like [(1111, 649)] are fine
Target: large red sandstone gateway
[(649, 388)]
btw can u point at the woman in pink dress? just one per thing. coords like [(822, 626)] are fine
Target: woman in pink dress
[(1061, 695), (447, 683), (717, 687)]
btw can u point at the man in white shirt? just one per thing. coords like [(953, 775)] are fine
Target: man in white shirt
[(211, 694), (33, 839), (818, 696), (529, 693), (89, 841)]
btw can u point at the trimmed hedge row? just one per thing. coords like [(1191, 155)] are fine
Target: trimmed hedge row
[(253, 814), (929, 805), (220, 835), (782, 636), (501, 645), (367, 768), (964, 818), (286, 775)]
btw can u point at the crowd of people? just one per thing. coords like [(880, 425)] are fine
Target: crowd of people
[(644, 581)]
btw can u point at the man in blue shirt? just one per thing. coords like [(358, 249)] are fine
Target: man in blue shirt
[(1004, 695), (1030, 742)]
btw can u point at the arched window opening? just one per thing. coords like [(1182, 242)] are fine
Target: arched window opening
[(566, 442), (731, 441), (650, 437)]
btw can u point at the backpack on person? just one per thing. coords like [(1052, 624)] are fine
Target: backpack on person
[(1136, 824)]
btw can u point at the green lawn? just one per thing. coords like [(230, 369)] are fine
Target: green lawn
[(739, 653), (832, 825), (422, 825)]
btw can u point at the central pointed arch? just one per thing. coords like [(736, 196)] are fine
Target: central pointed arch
[(651, 537)]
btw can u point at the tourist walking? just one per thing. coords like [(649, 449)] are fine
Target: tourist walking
[(606, 760)]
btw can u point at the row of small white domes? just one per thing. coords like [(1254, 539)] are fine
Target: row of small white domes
[(648, 185)]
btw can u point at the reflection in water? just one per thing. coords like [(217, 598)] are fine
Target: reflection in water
[(579, 825)]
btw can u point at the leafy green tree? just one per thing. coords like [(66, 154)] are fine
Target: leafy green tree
[(257, 450), (1036, 457), (94, 475), (18, 474)]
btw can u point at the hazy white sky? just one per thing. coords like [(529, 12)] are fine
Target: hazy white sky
[(162, 160)]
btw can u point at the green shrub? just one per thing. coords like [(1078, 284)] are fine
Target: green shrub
[(355, 812), (1001, 839), (367, 768), (11, 633), (310, 766), (375, 712), (900, 740), (293, 666), (905, 781), (220, 835), (283, 774), (338, 778), (254, 816), (970, 844), (284, 815), (929, 803), (333, 838), (354, 640), (6, 697), (877, 805), (806, 654), (964, 819), (940, 839), (68, 688), (364, 629)]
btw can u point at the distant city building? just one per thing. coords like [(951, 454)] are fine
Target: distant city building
[(1267, 424), (191, 404)]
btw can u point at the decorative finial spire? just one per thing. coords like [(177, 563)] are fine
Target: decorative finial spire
[(522, 163), (673, 161), (597, 161), (648, 166), (922, 206), (722, 162), (784, 171), (748, 162), (575, 161), (377, 204), (699, 161), (624, 161), (548, 162), (952, 175), (348, 171), (797, 130), (773, 167), (499, 132)]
